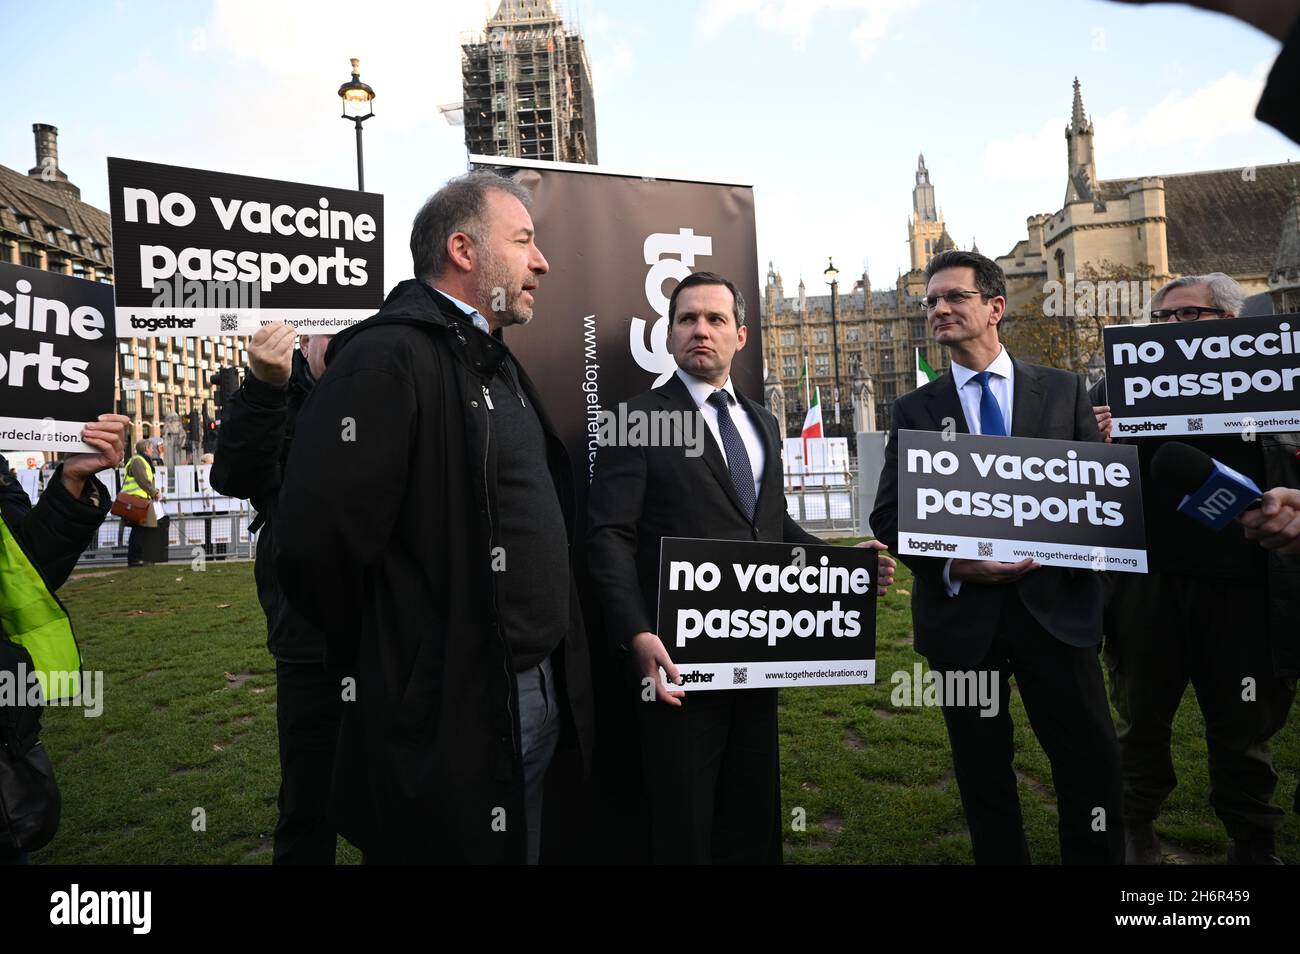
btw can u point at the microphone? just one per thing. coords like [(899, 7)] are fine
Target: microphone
[(1214, 493)]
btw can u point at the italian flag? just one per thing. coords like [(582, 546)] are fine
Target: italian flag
[(812, 423), (924, 373)]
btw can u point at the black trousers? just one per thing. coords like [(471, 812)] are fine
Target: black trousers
[(1165, 630), (712, 778), (1065, 698), (309, 708)]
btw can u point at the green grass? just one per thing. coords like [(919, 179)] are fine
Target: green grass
[(189, 722)]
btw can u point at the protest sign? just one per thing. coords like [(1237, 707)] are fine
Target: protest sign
[(740, 615), (206, 253), (1062, 503), (1230, 376), (56, 358)]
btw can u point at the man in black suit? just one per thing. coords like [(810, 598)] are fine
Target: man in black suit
[(1041, 623), (712, 772)]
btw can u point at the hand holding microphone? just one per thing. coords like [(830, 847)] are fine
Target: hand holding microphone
[(1275, 524)]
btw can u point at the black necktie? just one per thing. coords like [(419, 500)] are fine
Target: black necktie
[(742, 474)]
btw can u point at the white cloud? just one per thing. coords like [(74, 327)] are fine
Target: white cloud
[(1222, 109), (796, 18)]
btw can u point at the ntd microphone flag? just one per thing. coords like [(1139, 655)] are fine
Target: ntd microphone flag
[(1215, 493)]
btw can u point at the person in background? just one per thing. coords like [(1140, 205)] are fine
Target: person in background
[(257, 428), (1215, 610), (42, 544), (139, 482)]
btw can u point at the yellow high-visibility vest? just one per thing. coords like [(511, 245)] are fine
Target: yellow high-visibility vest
[(34, 619), (130, 485)]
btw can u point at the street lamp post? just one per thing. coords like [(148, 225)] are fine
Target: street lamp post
[(357, 106), (832, 274)]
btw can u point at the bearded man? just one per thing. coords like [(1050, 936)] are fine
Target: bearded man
[(425, 523)]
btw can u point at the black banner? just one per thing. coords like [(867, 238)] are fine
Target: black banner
[(738, 615), (207, 253), (617, 246), (56, 358), (1063, 503), (1230, 376)]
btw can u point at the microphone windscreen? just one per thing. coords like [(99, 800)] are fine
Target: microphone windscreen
[(1181, 467)]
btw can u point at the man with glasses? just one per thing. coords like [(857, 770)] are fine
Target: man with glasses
[(1041, 623), (1215, 610)]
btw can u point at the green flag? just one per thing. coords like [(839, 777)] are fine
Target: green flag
[(924, 373)]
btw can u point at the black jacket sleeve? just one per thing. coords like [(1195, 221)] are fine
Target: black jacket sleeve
[(1085, 421), (345, 482), (884, 515), (791, 532), (614, 504), (58, 529), (247, 461)]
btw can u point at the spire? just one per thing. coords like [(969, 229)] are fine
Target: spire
[(1077, 119), (973, 247), (923, 209)]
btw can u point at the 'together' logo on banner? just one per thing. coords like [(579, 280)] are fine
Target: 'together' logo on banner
[(659, 248)]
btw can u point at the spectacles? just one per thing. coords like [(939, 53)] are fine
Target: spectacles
[(1190, 313), (954, 297)]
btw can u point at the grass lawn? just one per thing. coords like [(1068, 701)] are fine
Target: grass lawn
[(189, 723)]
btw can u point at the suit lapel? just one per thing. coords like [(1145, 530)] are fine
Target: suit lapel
[(679, 398), (945, 405), (1026, 402)]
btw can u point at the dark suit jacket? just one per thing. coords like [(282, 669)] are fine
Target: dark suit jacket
[(957, 631), (641, 494)]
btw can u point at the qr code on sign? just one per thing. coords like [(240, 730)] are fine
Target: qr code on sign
[(985, 549), (739, 675), (229, 323), (1195, 424)]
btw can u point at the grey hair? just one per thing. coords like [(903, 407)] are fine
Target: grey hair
[(458, 206), (1224, 291)]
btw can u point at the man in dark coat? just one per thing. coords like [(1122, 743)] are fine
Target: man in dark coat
[(426, 523), (257, 426)]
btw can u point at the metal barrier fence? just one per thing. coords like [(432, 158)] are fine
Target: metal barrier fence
[(216, 534), (824, 500)]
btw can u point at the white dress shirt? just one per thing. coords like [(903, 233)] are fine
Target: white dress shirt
[(749, 432), (479, 321), (1002, 384)]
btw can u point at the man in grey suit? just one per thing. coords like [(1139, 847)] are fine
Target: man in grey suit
[(1042, 624)]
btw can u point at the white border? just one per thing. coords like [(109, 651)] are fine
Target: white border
[(207, 321), (967, 548), (46, 441), (756, 674), (1176, 424)]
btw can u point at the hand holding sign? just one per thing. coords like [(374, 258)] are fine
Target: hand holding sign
[(885, 575), (990, 572), (1104, 421), (650, 656), (270, 353), (107, 435)]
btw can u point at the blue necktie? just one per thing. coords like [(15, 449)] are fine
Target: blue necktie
[(742, 473), (991, 422)]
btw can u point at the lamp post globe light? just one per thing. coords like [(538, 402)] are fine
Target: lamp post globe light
[(358, 100), (832, 279)]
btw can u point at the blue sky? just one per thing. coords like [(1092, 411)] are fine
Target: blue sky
[(822, 105)]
